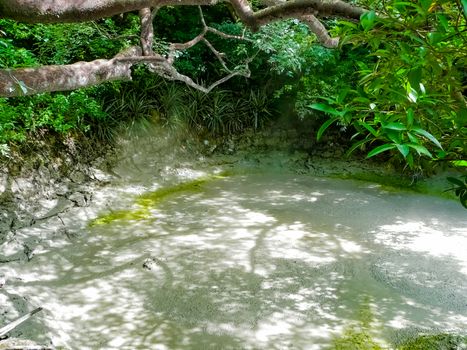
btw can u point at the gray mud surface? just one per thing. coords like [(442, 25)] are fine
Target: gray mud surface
[(260, 260)]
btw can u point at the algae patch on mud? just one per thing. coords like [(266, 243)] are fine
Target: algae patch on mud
[(436, 342), (149, 200), (359, 336)]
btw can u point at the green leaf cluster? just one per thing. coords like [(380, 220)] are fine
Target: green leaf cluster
[(407, 96)]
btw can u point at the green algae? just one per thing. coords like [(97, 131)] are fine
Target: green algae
[(444, 341), (153, 198), (124, 215), (397, 183), (150, 200), (359, 336), (355, 338)]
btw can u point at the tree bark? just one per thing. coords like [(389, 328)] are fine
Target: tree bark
[(30, 81), (60, 11)]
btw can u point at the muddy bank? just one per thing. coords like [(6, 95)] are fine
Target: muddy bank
[(44, 210), (262, 260)]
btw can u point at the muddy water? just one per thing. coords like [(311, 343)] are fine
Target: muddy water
[(259, 261)]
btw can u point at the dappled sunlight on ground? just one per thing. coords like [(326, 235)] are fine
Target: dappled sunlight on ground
[(255, 262)]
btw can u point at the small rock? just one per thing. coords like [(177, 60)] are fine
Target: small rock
[(78, 198), (77, 177)]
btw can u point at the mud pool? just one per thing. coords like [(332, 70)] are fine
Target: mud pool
[(255, 261)]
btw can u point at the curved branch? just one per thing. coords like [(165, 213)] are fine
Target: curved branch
[(298, 8), (27, 81), (71, 11), (320, 31), (30, 81), (59, 11)]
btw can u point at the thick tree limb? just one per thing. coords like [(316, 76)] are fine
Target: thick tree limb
[(320, 31), (298, 8), (60, 11), (314, 24), (147, 31), (30, 81), (27, 81)]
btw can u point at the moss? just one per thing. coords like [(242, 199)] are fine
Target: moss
[(153, 198), (355, 338), (125, 215), (436, 342), (150, 200), (396, 183), (358, 336)]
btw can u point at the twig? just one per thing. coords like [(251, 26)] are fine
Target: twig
[(9, 327)]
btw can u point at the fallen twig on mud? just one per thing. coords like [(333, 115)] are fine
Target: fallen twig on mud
[(18, 321)]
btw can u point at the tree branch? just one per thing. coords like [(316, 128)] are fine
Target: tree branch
[(60, 11), (314, 24), (320, 31), (27, 81), (30, 81), (147, 31), (298, 8)]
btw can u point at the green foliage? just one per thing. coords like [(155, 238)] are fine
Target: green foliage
[(460, 188), (176, 106), (408, 100), (23, 45), (285, 44), (28, 45), (218, 113), (57, 113), (12, 56)]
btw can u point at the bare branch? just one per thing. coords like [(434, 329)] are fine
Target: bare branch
[(60, 11), (314, 24), (298, 8), (30, 81), (320, 31), (26, 81), (187, 80), (229, 36), (218, 54), (147, 31)]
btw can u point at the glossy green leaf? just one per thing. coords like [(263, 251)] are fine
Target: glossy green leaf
[(429, 136), (425, 4), (369, 128), (395, 126), (464, 5), (381, 149), (456, 181), (326, 109), (403, 149), (462, 163), (420, 149), (367, 20), (394, 136), (323, 127), (413, 138), (435, 38)]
